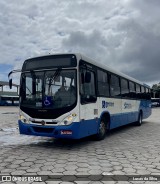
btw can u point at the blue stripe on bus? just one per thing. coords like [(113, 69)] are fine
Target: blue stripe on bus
[(123, 119), (79, 129)]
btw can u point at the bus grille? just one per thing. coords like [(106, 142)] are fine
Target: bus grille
[(43, 130), (46, 123)]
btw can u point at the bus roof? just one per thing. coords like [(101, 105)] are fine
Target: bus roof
[(103, 66)]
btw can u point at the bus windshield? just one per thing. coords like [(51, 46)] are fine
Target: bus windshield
[(52, 89)]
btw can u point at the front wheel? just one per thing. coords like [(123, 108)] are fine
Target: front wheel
[(102, 130)]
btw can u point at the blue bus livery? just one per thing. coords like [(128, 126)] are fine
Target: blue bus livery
[(72, 96)]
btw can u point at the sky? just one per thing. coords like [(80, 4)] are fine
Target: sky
[(123, 34)]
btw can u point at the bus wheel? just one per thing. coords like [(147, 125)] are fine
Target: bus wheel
[(102, 130), (140, 118)]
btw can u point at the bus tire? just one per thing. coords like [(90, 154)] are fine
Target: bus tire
[(140, 119), (102, 130)]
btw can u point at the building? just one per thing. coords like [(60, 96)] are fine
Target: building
[(8, 97)]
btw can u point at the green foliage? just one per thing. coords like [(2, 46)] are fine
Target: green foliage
[(156, 87)]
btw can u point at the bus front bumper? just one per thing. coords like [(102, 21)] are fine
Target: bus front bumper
[(69, 132)]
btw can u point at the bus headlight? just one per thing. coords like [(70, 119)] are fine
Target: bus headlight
[(68, 120), (23, 119)]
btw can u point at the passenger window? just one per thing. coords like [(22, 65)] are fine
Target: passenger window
[(103, 85), (138, 91), (124, 88), (132, 90), (114, 86), (143, 92), (147, 94)]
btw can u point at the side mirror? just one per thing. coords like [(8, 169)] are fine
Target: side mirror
[(87, 77), (10, 83), (10, 79)]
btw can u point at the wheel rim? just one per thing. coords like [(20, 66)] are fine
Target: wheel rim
[(102, 128), (140, 119)]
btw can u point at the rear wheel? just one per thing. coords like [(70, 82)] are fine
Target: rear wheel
[(140, 119)]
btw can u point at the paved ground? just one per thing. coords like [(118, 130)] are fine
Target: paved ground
[(130, 150)]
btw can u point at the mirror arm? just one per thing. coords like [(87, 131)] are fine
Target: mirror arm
[(9, 77), (14, 71)]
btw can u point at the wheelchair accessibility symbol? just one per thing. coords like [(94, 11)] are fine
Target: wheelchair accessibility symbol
[(47, 101)]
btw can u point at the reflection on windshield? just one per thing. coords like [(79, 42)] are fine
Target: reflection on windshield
[(49, 89)]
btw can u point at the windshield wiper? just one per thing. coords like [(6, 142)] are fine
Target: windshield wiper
[(57, 73), (54, 77)]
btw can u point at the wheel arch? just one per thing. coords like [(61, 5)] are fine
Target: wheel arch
[(107, 116)]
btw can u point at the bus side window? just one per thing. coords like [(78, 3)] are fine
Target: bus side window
[(124, 88), (103, 84), (132, 90), (138, 91), (148, 94), (114, 86), (143, 93), (87, 86)]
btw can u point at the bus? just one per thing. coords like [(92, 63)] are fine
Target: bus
[(71, 96)]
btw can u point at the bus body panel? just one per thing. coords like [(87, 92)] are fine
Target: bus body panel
[(145, 106), (89, 119), (49, 131), (89, 123), (76, 130)]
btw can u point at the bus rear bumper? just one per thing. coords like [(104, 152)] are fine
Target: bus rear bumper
[(68, 132)]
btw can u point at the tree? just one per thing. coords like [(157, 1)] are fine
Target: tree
[(156, 86), (156, 90)]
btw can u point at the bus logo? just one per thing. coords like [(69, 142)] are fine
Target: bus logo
[(127, 105), (107, 104)]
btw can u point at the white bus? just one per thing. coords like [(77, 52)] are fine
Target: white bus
[(72, 96)]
